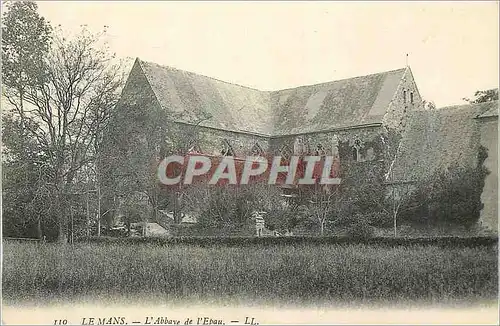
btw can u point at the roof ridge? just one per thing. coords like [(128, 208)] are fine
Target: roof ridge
[(201, 75), (462, 106), (339, 80), (270, 91)]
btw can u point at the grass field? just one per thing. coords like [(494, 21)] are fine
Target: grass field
[(300, 273)]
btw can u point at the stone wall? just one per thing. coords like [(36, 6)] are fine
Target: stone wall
[(214, 142), (360, 150), (406, 99)]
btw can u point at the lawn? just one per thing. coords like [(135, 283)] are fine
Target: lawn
[(286, 273)]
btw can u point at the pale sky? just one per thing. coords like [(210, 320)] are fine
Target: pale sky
[(452, 46)]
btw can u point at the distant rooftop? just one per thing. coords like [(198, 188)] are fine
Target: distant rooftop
[(438, 139)]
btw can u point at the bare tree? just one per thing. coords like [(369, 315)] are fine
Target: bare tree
[(399, 188), (66, 108), (323, 204)]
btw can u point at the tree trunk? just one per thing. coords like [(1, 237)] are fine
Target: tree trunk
[(155, 212), (322, 228), (98, 210), (62, 237), (177, 213), (395, 224), (87, 199), (71, 233), (39, 228)]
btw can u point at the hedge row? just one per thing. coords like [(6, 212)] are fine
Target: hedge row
[(267, 241)]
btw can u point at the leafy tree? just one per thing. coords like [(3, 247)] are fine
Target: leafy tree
[(451, 196), (282, 214), (483, 96), (26, 39), (61, 92), (27, 209)]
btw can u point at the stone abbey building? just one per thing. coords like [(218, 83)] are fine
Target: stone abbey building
[(376, 125)]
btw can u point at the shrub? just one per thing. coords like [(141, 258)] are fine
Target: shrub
[(379, 219), (236, 241), (450, 196), (360, 230)]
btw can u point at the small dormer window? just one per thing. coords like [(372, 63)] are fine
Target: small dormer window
[(411, 97)]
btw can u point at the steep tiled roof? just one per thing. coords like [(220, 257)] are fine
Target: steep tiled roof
[(229, 106), (436, 139), (337, 104)]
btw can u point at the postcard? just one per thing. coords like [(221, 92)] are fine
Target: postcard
[(249, 163)]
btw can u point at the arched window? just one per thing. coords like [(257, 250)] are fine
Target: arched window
[(227, 149), (355, 154), (335, 146), (257, 150), (355, 151), (320, 150), (411, 97), (404, 96), (299, 146)]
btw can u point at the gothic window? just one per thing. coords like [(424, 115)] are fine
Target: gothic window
[(320, 150), (309, 146), (411, 97), (257, 150), (404, 96), (298, 146), (355, 151), (335, 146), (227, 149), (286, 153)]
